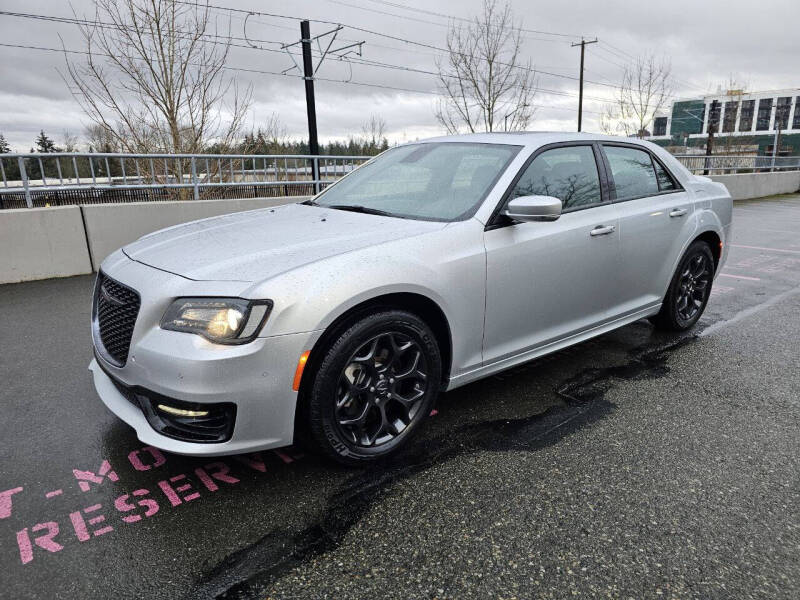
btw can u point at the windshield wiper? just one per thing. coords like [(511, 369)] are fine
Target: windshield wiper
[(361, 209), (309, 202)]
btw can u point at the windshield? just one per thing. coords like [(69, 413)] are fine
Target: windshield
[(443, 181)]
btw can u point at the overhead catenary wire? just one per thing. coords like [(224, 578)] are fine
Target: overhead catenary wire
[(428, 22), (532, 70), (627, 57), (249, 46), (354, 60), (277, 73)]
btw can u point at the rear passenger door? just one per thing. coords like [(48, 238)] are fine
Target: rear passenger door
[(655, 213)]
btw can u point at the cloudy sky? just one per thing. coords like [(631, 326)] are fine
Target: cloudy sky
[(707, 41)]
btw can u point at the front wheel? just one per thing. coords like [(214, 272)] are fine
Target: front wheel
[(688, 291), (374, 386)]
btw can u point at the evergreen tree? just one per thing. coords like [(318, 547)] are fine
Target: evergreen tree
[(44, 144), (4, 147)]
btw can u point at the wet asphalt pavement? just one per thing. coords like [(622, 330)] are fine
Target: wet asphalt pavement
[(636, 465)]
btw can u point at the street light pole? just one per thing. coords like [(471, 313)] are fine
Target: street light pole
[(580, 92)]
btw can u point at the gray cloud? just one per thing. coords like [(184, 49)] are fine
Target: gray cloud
[(706, 41)]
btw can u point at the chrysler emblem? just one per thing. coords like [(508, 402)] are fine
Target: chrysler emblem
[(110, 298)]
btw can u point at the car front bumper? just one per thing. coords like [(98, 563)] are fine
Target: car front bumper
[(256, 377)]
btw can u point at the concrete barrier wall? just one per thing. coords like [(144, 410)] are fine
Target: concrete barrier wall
[(111, 226), (757, 185), (37, 243)]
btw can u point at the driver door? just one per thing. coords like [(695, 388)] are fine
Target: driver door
[(547, 281)]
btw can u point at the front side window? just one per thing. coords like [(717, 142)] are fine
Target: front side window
[(633, 172), (568, 173), (444, 181)]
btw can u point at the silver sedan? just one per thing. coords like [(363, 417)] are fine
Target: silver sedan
[(338, 320)]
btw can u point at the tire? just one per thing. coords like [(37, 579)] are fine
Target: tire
[(688, 291), (375, 384)]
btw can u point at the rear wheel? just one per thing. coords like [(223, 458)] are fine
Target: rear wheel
[(375, 384), (688, 291)]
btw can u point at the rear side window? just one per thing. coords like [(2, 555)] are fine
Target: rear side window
[(568, 173), (633, 172)]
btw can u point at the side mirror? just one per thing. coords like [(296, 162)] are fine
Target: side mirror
[(533, 208)]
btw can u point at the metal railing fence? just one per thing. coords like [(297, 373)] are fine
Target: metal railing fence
[(39, 179), (716, 164)]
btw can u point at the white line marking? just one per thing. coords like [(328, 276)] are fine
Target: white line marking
[(743, 314), (740, 277), (767, 249)]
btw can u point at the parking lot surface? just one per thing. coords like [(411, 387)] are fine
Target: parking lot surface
[(636, 465)]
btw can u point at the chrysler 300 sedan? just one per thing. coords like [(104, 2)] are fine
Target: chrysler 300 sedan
[(338, 320)]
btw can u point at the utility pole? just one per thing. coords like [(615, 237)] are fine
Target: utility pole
[(311, 109), (580, 93), (713, 120), (308, 71)]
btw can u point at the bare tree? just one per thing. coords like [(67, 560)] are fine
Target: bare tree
[(99, 139), (154, 77), (70, 142), (485, 83), (374, 130), (645, 90)]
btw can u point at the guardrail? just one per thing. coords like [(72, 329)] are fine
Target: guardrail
[(700, 164), (65, 178)]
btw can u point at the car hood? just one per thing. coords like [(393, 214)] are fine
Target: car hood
[(259, 244)]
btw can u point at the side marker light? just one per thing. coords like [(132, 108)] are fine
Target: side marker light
[(298, 374)]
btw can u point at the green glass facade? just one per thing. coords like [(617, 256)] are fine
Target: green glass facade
[(687, 117)]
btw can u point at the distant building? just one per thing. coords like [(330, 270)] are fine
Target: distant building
[(746, 123)]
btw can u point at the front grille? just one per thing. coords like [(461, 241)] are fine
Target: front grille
[(115, 310)]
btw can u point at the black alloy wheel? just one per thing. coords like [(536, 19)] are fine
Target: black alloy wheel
[(689, 289), (380, 389), (377, 381), (694, 283)]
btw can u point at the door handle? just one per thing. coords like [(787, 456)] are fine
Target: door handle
[(678, 212), (602, 230)]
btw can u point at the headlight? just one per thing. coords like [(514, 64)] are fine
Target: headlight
[(221, 320)]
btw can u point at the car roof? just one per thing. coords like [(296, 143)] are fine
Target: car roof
[(531, 138)]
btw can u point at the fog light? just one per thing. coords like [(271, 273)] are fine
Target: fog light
[(180, 412)]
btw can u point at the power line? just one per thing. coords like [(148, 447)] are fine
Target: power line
[(250, 46), (467, 20), (453, 17), (393, 37), (265, 72), (613, 50), (115, 26)]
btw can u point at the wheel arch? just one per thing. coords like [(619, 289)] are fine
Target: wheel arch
[(423, 306), (713, 239)]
